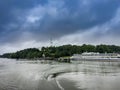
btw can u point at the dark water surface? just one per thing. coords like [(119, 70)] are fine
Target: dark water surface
[(47, 75)]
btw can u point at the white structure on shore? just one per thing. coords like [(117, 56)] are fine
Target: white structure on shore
[(95, 56)]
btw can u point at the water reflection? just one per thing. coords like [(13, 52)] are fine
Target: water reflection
[(48, 75)]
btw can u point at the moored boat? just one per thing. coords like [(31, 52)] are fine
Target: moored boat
[(96, 56)]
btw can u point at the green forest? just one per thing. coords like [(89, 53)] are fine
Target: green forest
[(61, 51)]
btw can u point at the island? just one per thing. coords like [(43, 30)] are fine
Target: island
[(60, 52)]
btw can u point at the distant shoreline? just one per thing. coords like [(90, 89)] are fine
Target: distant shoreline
[(71, 61), (60, 53)]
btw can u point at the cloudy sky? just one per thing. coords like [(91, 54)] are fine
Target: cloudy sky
[(32, 23)]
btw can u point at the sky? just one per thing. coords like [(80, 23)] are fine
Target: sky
[(33, 23)]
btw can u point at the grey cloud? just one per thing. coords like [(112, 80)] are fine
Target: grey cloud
[(71, 17), (79, 17)]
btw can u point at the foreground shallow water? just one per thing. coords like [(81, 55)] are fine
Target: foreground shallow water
[(47, 75)]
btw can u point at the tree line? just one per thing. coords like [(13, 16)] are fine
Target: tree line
[(61, 51)]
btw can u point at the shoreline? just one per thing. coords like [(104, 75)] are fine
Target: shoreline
[(66, 60)]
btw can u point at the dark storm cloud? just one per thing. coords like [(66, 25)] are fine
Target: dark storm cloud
[(80, 16), (70, 16), (9, 12), (7, 7)]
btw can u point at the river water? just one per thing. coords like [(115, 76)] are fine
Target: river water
[(48, 75)]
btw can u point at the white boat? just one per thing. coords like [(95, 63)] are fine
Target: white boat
[(96, 56)]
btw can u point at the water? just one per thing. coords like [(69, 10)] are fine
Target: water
[(47, 75)]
